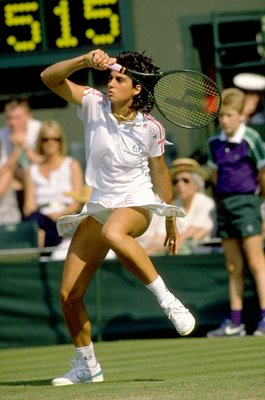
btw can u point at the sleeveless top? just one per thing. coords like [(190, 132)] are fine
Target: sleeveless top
[(50, 191)]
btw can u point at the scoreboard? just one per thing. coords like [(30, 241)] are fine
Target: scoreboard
[(39, 32)]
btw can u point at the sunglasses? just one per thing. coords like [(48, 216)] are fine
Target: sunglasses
[(53, 139), (184, 180)]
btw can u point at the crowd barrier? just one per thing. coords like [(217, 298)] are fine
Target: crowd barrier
[(119, 306)]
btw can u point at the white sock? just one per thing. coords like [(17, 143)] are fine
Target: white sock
[(87, 352), (159, 289)]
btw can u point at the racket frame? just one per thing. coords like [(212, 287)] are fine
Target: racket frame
[(133, 74)]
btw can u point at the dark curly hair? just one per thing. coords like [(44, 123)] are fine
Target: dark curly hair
[(140, 63)]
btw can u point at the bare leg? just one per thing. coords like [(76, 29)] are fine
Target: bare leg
[(86, 253), (235, 267), (119, 232), (253, 246)]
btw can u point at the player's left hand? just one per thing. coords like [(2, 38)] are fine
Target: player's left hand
[(172, 237)]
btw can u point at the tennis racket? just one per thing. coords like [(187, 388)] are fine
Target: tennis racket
[(184, 97)]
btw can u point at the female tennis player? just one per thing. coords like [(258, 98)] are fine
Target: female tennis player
[(124, 146)]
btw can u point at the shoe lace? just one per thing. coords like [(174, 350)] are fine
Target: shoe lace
[(75, 362), (176, 307)]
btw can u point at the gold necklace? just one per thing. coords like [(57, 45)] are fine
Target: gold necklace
[(129, 117)]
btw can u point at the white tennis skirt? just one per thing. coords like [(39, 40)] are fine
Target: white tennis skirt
[(100, 206)]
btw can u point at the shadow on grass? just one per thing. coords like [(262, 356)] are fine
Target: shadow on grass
[(149, 380), (134, 380), (47, 382), (42, 382)]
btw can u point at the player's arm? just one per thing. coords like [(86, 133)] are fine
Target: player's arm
[(162, 183), (161, 178), (56, 76)]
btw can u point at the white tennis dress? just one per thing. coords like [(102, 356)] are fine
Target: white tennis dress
[(117, 157)]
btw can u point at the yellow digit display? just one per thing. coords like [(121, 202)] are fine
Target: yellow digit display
[(66, 39), (43, 29), (93, 13), (14, 19)]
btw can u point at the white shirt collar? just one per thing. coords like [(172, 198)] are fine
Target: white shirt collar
[(237, 137)]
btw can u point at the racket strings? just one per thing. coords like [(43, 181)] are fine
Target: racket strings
[(187, 98)]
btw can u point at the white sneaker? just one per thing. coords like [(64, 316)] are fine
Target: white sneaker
[(228, 329), (80, 373), (182, 319)]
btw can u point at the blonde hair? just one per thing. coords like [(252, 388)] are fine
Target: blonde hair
[(233, 98), (52, 125)]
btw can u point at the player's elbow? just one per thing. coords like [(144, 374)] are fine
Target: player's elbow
[(44, 78), (49, 80)]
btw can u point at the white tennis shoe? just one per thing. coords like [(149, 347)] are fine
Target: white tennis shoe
[(179, 315), (80, 373)]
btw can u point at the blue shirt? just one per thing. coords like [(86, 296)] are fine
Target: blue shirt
[(237, 160)]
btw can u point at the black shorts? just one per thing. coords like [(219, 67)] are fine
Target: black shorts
[(45, 223), (239, 216)]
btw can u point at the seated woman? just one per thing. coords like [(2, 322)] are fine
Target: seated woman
[(188, 179), (47, 182)]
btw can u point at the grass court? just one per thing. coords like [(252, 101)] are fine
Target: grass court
[(149, 369)]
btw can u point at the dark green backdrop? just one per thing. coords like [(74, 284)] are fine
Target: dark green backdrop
[(119, 306)]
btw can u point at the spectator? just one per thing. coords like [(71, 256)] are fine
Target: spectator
[(188, 179), (254, 87), (46, 182), (60, 252), (21, 130), (253, 112), (237, 162), (9, 210)]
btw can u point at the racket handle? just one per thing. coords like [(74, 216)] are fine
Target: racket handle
[(118, 68)]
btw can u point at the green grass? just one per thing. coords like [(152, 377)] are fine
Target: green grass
[(177, 369)]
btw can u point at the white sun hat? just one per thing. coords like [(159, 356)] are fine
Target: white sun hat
[(249, 81)]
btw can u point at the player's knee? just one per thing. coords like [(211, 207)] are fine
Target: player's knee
[(110, 236), (256, 267), (69, 299), (234, 269)]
